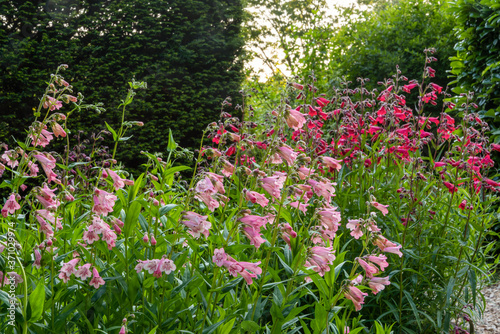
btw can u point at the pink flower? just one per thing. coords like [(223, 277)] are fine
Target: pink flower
[(436, 87), (323, 189), (387, 246), (356, 296), (103, 202), (42, 138), (122, 330), (33, 167), (255, 197), (67, 270), (249, 270), (219, 257), (48, 163), (355, 227), (272, 185), (10, 206), (90, 236), (118, 182), (197, 224), (275, 159), (58, 130), (227, 168), (110, 237), (321, 101), (96, 281), (204, 190), (13, 277), (369, 268), (305, 172), (38, 258), (287, 233), (332, 163), (439, 164), (495, 147), (51, 103), (295, 119), (140, 266), (320, 259), (158, 273), (83, 272), (254, 221), (382, 208), (218, 182), (491, 182), (380, 260), (288, 154), (330, 219), (10, 158), (50, 218), (462, 204), (45, 227), (166, 266), (378, 284), (254, 236), (302, 207), (48, 203)]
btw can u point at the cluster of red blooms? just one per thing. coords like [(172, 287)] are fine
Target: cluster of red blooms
[(311, 157)]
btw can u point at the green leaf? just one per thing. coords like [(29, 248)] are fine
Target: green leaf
[(115, 136), (135, 188), (166, 208), (36, 301), (131, 218), (211, 328), (226, 328), (153, 331), (414, 308), (172, 145), (250, 326)]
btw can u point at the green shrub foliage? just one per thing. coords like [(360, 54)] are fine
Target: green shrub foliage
[(188, 51), (372, 43), (477, 63)]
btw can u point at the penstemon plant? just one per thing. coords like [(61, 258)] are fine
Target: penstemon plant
[(344, 214)]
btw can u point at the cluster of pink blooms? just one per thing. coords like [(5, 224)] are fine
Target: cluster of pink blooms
[(197, 224), (100, 228), (156, 267), (247, 270), (83, 272), (209, 194), (320, 259), (103, 202)]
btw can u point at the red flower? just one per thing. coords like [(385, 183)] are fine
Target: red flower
[(451, 188), (408, 88)]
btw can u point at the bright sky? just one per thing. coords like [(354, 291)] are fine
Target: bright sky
[(258, 64)]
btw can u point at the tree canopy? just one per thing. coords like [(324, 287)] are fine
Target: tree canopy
[(188, 51)]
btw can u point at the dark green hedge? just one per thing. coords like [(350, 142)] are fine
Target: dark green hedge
[(477, 64), (188, 51)]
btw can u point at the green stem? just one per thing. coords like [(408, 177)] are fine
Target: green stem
[(25, 297)]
